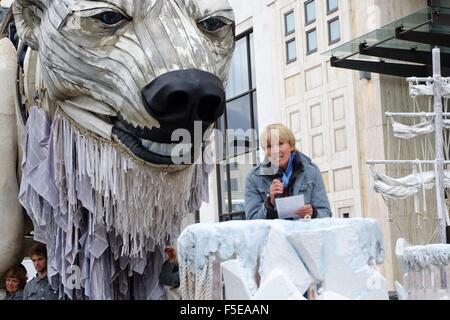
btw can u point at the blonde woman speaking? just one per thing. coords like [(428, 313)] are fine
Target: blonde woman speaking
[(285, 172)]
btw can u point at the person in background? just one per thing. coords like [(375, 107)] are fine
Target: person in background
[(291, 173), (39, 288), (14, 282), (170, 276)]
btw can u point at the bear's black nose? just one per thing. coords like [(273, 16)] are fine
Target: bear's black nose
[(178, 98)]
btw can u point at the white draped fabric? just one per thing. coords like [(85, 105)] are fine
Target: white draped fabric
[(405, 187), (426, 126)]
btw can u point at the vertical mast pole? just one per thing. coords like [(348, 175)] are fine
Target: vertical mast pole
[(440, 198)]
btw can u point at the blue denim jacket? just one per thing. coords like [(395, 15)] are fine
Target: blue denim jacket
[(39, 289), (308, 182)]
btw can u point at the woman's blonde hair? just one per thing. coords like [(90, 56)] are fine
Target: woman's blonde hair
[(277, 132)]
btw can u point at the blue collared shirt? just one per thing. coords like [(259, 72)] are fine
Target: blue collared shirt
[(39, 289)]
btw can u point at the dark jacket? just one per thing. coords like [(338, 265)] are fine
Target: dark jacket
[(306, 179), (169, 275)]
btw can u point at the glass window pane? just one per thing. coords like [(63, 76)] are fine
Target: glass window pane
[(291, 51), (224, 187), (221, 141), (239, 137), (238, 113), (255, 115), (235, 186), (334, 30), (238, 81), (243, 165), (240, 140), (289, 22), (221, 123), (332, 5), (252, 55), (234, 216), (310, 12), (311, 38)]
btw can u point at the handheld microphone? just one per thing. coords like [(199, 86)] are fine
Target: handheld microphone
[(267, 168), (278, 176)]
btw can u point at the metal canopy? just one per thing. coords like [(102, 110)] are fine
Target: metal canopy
[(402, 48)]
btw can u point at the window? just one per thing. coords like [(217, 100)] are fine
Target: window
[(290, 43), (291, 51), (234, 166), (289, 22), (310, 12), (345, 212), (234, 185), (334, 31), (240, 150), (311, 41), (332, 6)]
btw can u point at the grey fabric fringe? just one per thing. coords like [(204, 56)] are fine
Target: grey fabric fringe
[(105, 217)]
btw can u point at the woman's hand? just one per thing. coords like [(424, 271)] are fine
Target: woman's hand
[(305, 211), (276, 188)]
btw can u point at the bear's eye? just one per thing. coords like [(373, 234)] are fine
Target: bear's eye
[(110, 18), (212, 24)]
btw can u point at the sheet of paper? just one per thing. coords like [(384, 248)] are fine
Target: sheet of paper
[(287, 207)]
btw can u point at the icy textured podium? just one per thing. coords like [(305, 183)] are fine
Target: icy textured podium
[(282, 259)]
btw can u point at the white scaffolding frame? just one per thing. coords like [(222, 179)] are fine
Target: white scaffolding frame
[(437, 81)]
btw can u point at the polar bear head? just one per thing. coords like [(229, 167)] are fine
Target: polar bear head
[(133, 71)]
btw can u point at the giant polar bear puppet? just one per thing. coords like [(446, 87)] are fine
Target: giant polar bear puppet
[(102, 179)]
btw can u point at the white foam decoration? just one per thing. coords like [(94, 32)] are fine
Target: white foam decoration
[(335, 257), (446, 87), (263, 245), (279, 254), (426, 89), (401, 292), (376, 287), (310, 249), (233, 275), (330, 295), (416, 89), (425, 256), (424, 267), (278, 286), (200, 244)]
